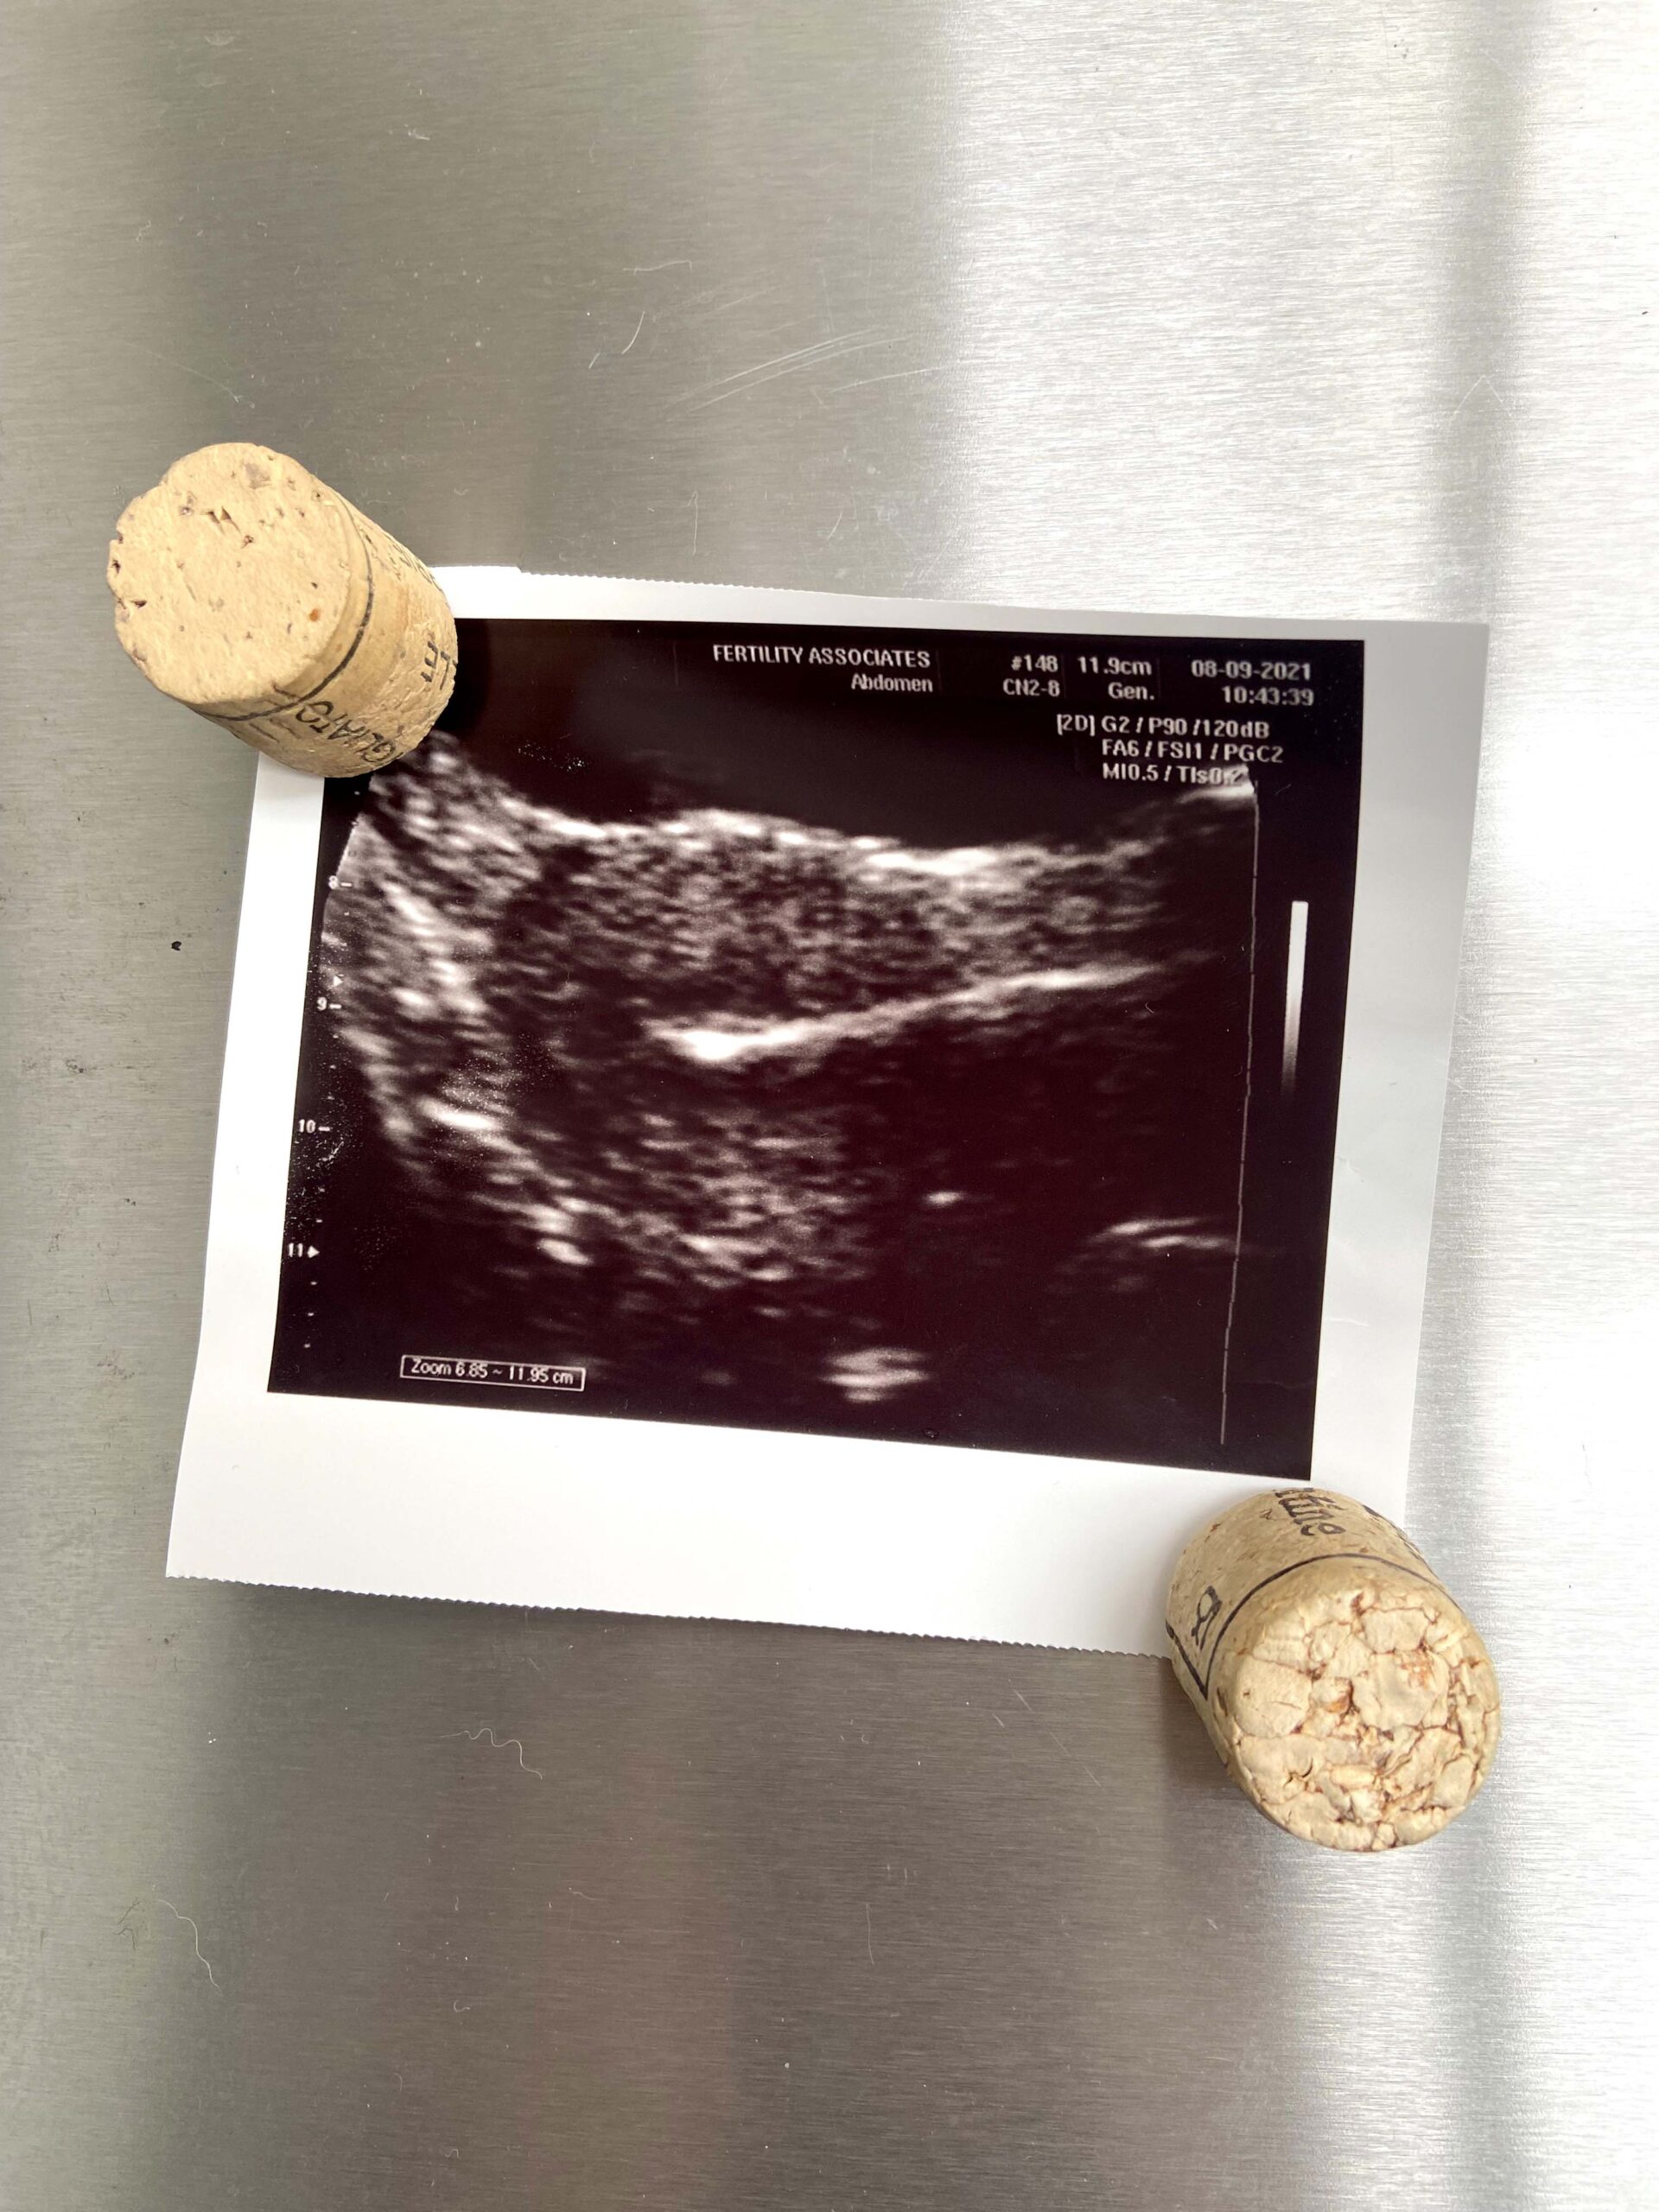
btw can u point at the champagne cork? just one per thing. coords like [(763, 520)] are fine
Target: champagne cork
[(1349, 1696), (250, 592)]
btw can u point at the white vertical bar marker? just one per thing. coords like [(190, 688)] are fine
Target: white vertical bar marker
[(1295, 969)]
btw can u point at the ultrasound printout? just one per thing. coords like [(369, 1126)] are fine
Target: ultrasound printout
[(932, 1038), (847, 1112)]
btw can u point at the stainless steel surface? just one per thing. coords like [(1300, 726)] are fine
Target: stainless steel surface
[(323, 1901)]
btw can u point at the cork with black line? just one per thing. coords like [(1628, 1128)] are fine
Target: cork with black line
[(252, 593), (1348, 1694)]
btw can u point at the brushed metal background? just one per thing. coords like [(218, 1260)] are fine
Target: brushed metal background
[(1275, 310)]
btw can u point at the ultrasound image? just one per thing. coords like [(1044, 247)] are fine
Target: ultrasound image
[(763, 1118)]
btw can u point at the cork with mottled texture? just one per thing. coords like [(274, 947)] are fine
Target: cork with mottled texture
[(1349, 1695), (252, 593)]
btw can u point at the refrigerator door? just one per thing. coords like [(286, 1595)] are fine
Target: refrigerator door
[(1277, 312)]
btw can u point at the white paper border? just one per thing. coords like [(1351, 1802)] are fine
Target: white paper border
[(510, 1506)]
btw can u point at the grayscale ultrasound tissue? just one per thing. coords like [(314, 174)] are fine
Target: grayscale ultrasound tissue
[(933, 1036)]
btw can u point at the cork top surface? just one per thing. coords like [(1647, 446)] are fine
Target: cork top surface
[(1359, 1707), (238, 580)]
